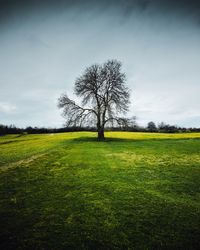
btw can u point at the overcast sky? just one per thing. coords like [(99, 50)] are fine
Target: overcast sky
[(46, 45)]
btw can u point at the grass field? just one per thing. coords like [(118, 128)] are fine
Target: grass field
[(68, 191)]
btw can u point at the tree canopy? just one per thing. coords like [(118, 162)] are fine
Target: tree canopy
[(104, 96)]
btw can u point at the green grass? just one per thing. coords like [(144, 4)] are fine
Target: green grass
[(68, 191)]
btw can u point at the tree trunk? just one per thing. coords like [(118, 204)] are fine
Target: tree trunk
[(101, 134), (100, 128)]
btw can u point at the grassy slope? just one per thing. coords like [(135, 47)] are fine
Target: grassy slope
[(68, 191)]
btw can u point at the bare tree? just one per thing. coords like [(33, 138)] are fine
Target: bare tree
[(151, 126), (104, 96)]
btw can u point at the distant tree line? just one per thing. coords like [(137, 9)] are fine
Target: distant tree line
[(129, 125), (12, 129), (167, 128)]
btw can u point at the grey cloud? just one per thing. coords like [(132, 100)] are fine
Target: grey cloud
[(25, 8), (51, 42)]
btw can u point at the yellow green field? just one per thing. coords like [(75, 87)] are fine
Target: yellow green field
[(69, 191)]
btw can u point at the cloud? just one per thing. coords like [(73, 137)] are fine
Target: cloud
[(45, 45), (25, 8), (7, 108)]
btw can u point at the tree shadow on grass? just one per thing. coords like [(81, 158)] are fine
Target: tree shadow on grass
[(115, 139), (95, 139)]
